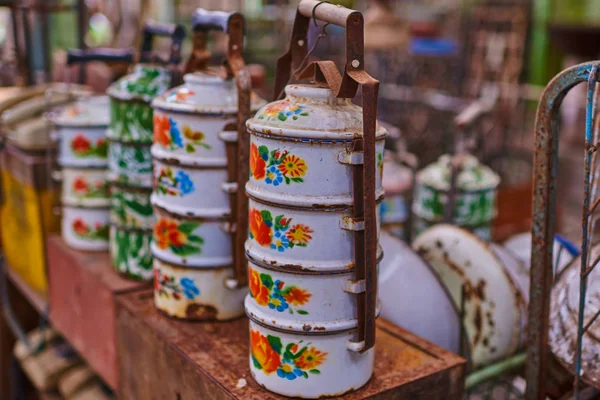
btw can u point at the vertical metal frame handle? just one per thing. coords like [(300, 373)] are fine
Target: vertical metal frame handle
[(151, 29)]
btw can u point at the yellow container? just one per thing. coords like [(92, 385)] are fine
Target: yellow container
[(26, 214)]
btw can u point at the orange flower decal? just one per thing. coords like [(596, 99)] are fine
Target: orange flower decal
[(80, 144), (259, 230), (297, 297), (166, 233), (80, 185), (80, 227), (257, 164), (299, 235), (311, 358), (263, 355), (293, 166), (259, 291), (161, 130)]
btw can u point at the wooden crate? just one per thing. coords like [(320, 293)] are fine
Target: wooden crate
[(83, 288), (163, 358)]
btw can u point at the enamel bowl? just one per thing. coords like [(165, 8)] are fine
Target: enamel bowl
[(495, 309), (564, 251), (85, 187), (130, 252), (130, 164), (85, 228), (196, 293), (131, 207), (191, 241), (564, 307), (413, 296)]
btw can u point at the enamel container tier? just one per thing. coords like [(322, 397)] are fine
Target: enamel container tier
[(195, 134), (475, 197), (85, 228), (302, 303)]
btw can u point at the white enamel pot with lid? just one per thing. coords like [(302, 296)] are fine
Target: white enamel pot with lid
[(314, 190)]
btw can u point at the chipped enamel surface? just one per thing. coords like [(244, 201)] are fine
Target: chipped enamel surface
[(494, 306), (564, 307), (196, 293), (85, 228), (307, 366), (413, 296), (192, 242), (302, 301), (85, 187)]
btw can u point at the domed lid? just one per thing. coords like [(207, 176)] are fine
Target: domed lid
[(472, 176), (145, 83), (310, 111), (204, 93), (85, 112), (397, 178)]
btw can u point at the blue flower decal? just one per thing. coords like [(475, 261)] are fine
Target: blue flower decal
[(288, 370), (186, 185), (176, 137), (280, 242), (278, 302), (274, 176), (189, 288)]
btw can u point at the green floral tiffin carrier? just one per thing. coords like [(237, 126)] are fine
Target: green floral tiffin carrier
[(130, 111), (130, 252), (475, 201)]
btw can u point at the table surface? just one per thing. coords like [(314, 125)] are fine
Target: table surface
[(219, 352)]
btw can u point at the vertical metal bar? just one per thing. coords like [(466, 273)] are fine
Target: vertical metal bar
[(585, 231), (544, 209), (28, 45)]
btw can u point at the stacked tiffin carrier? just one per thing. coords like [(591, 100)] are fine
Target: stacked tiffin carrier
[(195, 154), (130, 137)]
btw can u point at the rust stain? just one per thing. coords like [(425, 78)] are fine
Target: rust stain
[(478, 321), (200, 312)]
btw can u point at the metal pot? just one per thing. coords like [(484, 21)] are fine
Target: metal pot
[(130, 164), (474, 204), (130, 207)]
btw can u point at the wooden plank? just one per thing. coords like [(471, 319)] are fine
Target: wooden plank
[(163, 358), (82, 291)]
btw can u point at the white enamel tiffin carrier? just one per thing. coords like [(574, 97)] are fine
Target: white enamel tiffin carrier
[(195, 156), (130, 162), (80, 129), (474, 199), (397, 183), (312, 274)]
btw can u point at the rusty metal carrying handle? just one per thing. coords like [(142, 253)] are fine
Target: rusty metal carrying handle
[(151, 29), (204, 21), (238, 157), (544, 211), (291, 61), (325, 73), (77, 56)]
